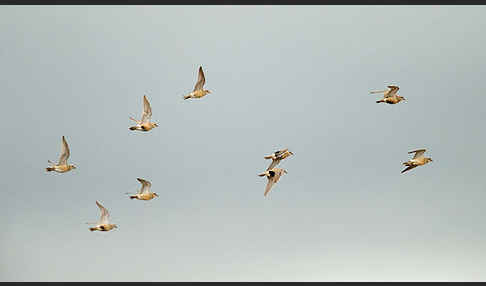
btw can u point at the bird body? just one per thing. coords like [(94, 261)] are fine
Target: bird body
[(103, 224), (390, 96), (273, 175), (144, 193), (103, 227), (417, 160), (62, 166), (277, 157), (145, 124), (198, 91), (197, 94)]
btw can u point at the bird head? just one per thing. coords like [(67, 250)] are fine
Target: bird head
[(72, 166), (155, 194), (207, 91), (428, 159), (285, 171), (155, 125), (401, 98)]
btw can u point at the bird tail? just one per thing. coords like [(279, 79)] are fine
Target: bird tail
[(48, 169), (92, 228), (133, 128), (187, 97), (381, 100)]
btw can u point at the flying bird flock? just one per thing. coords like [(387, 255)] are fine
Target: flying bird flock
[(272, 173)]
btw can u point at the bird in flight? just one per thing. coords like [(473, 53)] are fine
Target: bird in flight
[(61, 166), (390, 95), (198, 91), (144, 124), (417, 160), (103, 224), (144, 193), (278, 156), (273, 176)]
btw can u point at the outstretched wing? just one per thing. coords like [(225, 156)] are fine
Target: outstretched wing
[(147, 110), (408, 168), (145, 186), (64, 152), (418, 153), (200, 80), (273, 164), (393, 90), (104, 214), (280, 152), (272, 180)]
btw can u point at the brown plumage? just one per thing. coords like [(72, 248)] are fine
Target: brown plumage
[(273, 176), (390, 95), (277, 157), (144, 124), (144, 193), (417, 160), (103, 224), (62, 166), (198, 90)]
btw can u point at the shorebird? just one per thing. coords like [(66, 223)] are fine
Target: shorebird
[(144, 124), (273, 176), (198, 91), (62, 166), (417, 160), (144, 193), (390, 95), (278, 156), (103, 224)]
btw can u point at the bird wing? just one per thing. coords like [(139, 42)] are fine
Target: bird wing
[(147, 110), (393, 90), (280, 152), (408, 168), (272, 180), (200, 80), (104, 214), (64, 152), (377, 91), (145, 186), (418, 153), (270, 183), (273, 164)]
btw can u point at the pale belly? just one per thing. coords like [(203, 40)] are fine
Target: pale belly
[(146, 127), (61, 169), (105, 227), (391, 100), (146, 197), (199, 94)]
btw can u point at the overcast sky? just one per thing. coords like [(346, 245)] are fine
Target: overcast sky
[(281, 76)]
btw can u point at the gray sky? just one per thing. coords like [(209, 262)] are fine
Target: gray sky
[(281, 76)]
